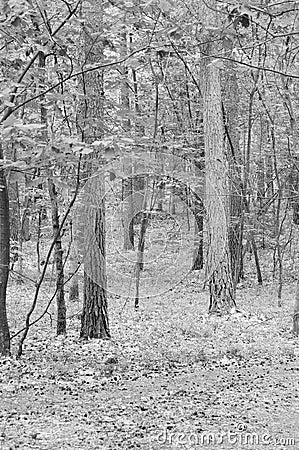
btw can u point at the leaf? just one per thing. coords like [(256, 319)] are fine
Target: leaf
[(217, 63), (87, 150), (9, 121), (8, 103), (77, 148), (30, 126), (145, 5), (60, 184), (212, 28), (227, 43), (16, 22), (165, 6), (36, 181), (109, 153)]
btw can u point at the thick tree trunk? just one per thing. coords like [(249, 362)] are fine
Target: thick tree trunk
[(218, 267), (94, 322), (4, 261)]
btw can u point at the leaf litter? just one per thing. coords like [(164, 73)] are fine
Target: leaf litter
[(170, 375)]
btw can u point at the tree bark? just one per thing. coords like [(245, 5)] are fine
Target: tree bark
[(58, 251), (4, 261), (198, 230), (58, 255), (140, 255), (218, 267), (296, 312), (94, 323), (231, 123), (128, 206), (74, 282)]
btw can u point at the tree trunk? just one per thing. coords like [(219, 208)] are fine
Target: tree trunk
[(218, 267), (256, 260), (138, 194), (58, 251), (198, 229), (14, 210), (128, 206), (25, 220), (296, 312), (4, 261), (58, 255), (94, 323), (140, 255), (231, 123), (74, 287), (198, 244), (127, 183)]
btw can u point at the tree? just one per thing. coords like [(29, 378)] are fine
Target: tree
[(58, 250), (221, 286), (231, 103), (4, 261), (94, 323), (127, 182)]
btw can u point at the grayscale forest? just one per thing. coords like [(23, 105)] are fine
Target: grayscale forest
[(149, 224)]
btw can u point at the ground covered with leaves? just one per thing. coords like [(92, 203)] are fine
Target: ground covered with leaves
[(170, 377)]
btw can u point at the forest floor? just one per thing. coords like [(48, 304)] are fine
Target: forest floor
[(170, 377)]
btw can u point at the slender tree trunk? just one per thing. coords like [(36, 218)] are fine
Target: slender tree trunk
[(127, 183), (296, 311), (14, 213), (58, 251), (198, 244), (172, 208), (140, 255), (139, 193), (231, 123), (198, 231), (256, 260), (58, 255), (25, 220), (128, 206), (38, 239), (74, 282), (4, 261)]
